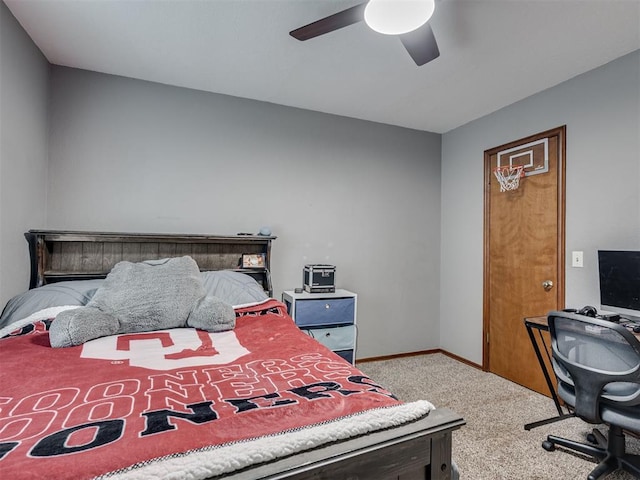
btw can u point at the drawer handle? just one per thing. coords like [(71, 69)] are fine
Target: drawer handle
[(328, 334), (327, 306)]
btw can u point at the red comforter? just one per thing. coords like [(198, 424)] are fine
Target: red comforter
[(132, 399)]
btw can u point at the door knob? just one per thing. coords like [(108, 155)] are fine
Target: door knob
[(547, 285)]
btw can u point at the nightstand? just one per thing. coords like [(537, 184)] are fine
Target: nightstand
[(330, 318)]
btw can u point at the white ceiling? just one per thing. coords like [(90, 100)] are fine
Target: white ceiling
[(493, 52)]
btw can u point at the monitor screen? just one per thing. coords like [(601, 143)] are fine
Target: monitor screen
[(620, 281)]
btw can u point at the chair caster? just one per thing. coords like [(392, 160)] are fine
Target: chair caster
[(548, 446), (591, 438)]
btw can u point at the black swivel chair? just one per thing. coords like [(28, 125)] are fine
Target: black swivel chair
[(597, 364)]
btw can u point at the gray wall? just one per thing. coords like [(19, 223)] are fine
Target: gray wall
[(601, 109), (135, 156), (128, 155), (24, 97)]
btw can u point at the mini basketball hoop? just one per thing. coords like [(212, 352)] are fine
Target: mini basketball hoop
[(509, 176)]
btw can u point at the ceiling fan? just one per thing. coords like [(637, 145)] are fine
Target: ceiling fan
[(407, 19)]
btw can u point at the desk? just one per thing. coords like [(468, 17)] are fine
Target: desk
[(539, 324)]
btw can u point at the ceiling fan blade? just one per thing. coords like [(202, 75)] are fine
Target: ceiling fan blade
[(421, 44), (329, 24)]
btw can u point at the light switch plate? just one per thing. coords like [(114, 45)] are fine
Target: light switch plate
[(577, 259)]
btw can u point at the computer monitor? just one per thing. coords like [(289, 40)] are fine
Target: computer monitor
[(620, 282)]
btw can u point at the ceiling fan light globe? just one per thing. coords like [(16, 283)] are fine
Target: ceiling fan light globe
[(395, 17)]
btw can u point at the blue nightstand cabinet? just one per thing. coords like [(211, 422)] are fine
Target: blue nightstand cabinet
[(330, 318)]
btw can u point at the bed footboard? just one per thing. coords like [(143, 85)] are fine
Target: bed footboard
[(419, 450)]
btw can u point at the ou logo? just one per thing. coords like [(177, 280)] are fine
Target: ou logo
[(167, 349)]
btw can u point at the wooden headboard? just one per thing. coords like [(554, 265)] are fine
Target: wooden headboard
[(58, 255)]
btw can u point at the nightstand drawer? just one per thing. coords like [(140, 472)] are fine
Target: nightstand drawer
[(326, 311), (336, 338), (346, 354), (330, 318)]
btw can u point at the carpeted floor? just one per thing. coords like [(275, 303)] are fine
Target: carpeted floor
[(493, 445)]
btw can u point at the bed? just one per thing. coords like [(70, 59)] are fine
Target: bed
[(259, 400)]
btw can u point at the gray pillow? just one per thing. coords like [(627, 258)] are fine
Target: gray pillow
[(142, 297), (77, 292), (233, 287)]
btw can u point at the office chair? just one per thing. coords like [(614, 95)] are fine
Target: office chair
[(597, 365)]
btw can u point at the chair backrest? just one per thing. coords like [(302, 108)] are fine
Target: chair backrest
[(598, 358)]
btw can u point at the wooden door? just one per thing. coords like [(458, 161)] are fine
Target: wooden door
[(524, 247)]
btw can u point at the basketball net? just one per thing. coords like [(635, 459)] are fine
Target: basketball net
[(509, 176)]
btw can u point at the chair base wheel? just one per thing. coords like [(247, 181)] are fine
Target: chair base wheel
[(591, 438), (548, 446), (608, 452)]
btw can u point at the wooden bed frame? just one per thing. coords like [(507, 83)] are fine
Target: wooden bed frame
[(64, 255), (418, 450)]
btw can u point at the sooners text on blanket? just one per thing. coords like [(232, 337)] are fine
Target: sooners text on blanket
[(115, 401)]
